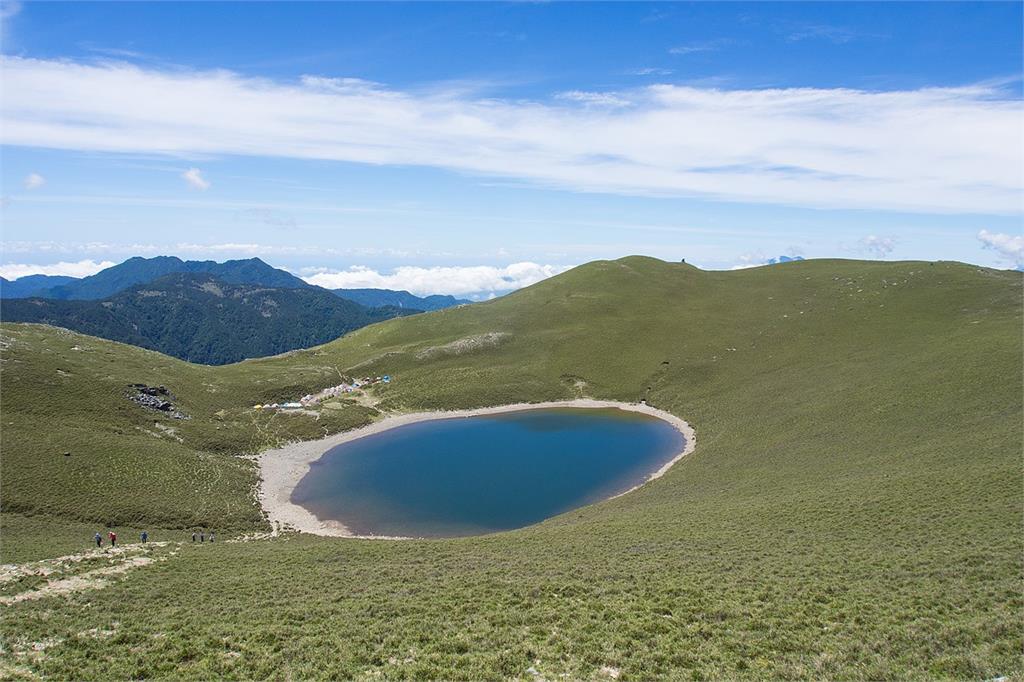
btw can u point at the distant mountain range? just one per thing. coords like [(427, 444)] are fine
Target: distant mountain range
[(198, 317), (31, 285), (139, 270), (204, 311), (375, 298)]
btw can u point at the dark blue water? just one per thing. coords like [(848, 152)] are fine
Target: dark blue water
[(474, 475)]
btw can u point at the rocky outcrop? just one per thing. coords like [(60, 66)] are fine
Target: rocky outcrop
[(154, 398)]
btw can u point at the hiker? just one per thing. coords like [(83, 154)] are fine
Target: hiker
[(193, 536), (211, 536), (98, 538), (202, 536), (113, 539), (144, 536)]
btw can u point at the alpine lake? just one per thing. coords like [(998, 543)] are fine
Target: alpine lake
[(487, 473)]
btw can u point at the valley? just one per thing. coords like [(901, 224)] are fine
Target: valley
[(851, 508)]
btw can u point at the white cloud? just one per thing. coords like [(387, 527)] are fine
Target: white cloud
[(34, 181), (457, 280), (932, 150), (1010, 247), (82, 268), (879, 247), (194, 178)]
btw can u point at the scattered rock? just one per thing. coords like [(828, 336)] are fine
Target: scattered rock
[(154, 398), (100, 633), (34, 650)]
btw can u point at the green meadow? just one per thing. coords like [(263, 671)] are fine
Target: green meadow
[(853, 508)]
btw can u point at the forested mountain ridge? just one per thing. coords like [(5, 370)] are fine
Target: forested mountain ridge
[(31, 285), (203, 319), (375, 298), (138, 270)]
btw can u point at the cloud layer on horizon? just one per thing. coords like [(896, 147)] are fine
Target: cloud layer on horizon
[(474, 280), (82, 268), (1010, 247), (456, 280), (930, 150)]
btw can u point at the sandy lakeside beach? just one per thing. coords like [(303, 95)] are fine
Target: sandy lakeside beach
[(282, 468)]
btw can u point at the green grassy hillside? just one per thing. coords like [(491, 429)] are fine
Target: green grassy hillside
[(852, 510)]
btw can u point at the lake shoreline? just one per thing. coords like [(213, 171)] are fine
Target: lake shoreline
[(282, 468)]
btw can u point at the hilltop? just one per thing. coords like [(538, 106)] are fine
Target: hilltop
[(852, 509)]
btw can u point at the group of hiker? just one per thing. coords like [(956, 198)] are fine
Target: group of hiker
[(112, 536), (144, 537)]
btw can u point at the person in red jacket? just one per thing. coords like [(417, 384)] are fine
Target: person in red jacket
[(113, 539)]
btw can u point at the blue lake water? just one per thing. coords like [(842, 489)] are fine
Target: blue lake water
[(475, 475)]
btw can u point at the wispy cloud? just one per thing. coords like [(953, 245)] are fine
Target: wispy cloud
[(33, 181), (700, 46), (649, 71), (655, 15), (119, 52), (82, 268), (838, 35), (216, 204), (931, 150), (689, 49), (194, 178), (212, 250), (9, 9), (600, 99), (457, 281), (1009, 246), (514, 36), (267, 216)]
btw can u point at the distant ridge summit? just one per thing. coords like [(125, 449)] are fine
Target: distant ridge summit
[(375, 298), (138, 270), (31, 285)]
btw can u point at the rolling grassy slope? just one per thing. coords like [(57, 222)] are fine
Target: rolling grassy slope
[(852, 510)]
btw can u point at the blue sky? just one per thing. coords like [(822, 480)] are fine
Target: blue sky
[(467, 148)]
